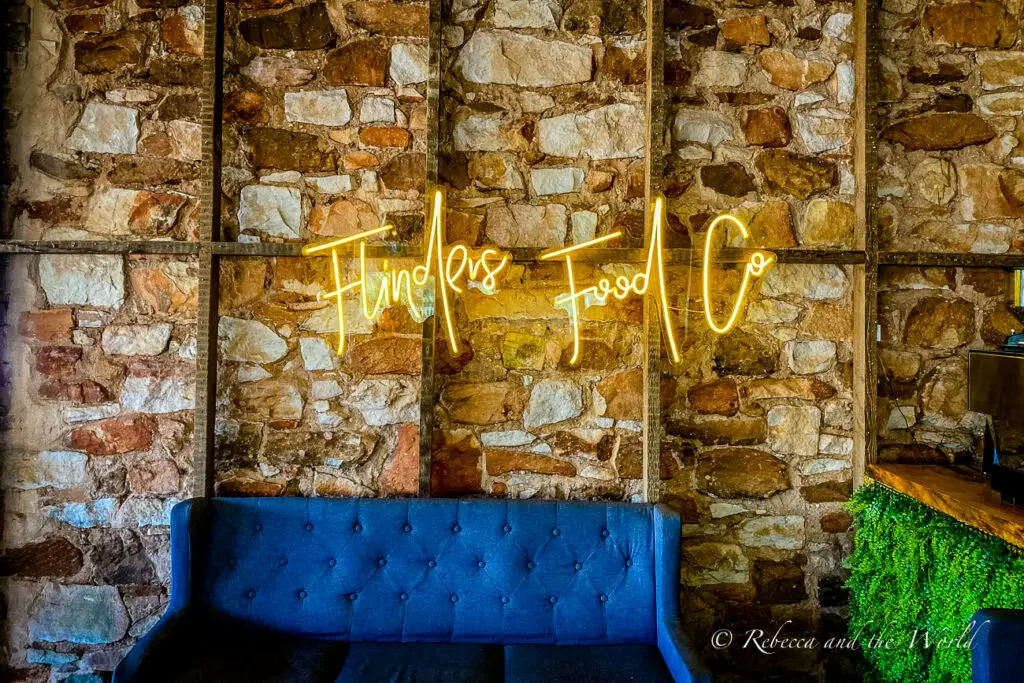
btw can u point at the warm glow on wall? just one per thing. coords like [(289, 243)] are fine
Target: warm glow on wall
[(640, 284), (397, 284)]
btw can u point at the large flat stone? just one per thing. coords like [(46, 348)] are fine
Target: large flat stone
[(513, 59), (615, 131), (273, 210), (106, 129), (89, 615), (72, 279)]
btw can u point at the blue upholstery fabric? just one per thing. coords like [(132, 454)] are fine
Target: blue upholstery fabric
[(422, 663), (998, 647), (436, 570), (345, 582), (584, 664)]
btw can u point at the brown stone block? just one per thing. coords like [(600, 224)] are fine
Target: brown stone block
[(502, 462), (388, 355), (779, 583), (54, 556), (971, 24), (743, 31), (385, 136), (303, 28), (734, 431), (115, 436), (767, 127), (828, 492), (786, 173), (456, 468), (390, 18), (58, 361), (107, 54), (623, 395), (937, 322), (84, 23), (741, 473), (836, 522), (405, 172), (950, 130), (242, 106), (290, 151), (47, 325), (718, 397), (360, 62), (401, 473), (482, 403)]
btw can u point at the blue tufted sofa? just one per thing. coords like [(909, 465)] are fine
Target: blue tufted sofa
[(345, 590), (996, 655)]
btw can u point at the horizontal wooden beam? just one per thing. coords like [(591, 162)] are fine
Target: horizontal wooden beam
[(98, 247), (916, 258)]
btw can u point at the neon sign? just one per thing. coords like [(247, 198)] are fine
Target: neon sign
[(640, 284), (397, 284), (484, 268)]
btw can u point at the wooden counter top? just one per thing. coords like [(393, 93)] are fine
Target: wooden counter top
[(958, 493)]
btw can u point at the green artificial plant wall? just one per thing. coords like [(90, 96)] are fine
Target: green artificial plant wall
[(915, 571)]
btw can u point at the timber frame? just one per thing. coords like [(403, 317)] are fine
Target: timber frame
[(865, 260)]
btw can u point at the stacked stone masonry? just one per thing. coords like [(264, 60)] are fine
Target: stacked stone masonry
[(98, 385), (951, 153), (542, 143), (104, 139)]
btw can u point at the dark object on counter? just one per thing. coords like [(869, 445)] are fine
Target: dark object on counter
[(996, 388)]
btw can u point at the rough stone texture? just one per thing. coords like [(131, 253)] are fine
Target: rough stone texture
[(950, 125), (97, 442), (930, 317)]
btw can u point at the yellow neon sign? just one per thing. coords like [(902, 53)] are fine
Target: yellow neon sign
[(640, 284), (398, 284)]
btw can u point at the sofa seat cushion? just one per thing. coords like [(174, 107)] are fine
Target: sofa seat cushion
[(585, 664), (421, 663), (210, 651)]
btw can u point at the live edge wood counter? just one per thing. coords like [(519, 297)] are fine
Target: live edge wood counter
[(958, 493)]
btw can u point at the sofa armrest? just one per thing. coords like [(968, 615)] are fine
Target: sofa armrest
[(995, 654), (681, 658), (154, 654), (188, 534)]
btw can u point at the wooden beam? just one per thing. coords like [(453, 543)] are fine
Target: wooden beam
[(917, 258), (865, 276), (99, 247), (209, 272), (427, 390), (655, 166)]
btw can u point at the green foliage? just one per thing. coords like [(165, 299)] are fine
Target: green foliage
[(918, 571)]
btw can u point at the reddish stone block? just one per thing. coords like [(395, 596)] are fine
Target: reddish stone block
[(49, 325), (115, 436), (58, 361)]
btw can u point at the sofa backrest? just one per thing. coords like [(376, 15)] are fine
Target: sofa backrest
[(432, 570)]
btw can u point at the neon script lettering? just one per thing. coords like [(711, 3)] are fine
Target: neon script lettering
[(640, 284), (397, 284)]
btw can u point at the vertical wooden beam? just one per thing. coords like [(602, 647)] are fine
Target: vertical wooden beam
[(654, 171), (427, 390), (209, 232), (865, 280)]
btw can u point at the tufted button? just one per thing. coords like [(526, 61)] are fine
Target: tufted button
[(284, 561), (251, 594), (555, 532), (309, 527), (552, 599), (259, 527), (332, 562), (233, 562), (357, 527), (352, 596), (603, 597), (531, 565), (456, 529), (431, 563), (481, 564), (504, 599), (578, 566), (403, 596), (303, 595), (407, 527), (382, 562), (455, 598), (604, 533), (507, 528), (629, 563)]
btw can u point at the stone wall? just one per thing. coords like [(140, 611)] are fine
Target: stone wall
[(759, 116), (324, 119), (930, 317), (98, 385), (102, 129), (543, 145), (757, 448), (951, 157)]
